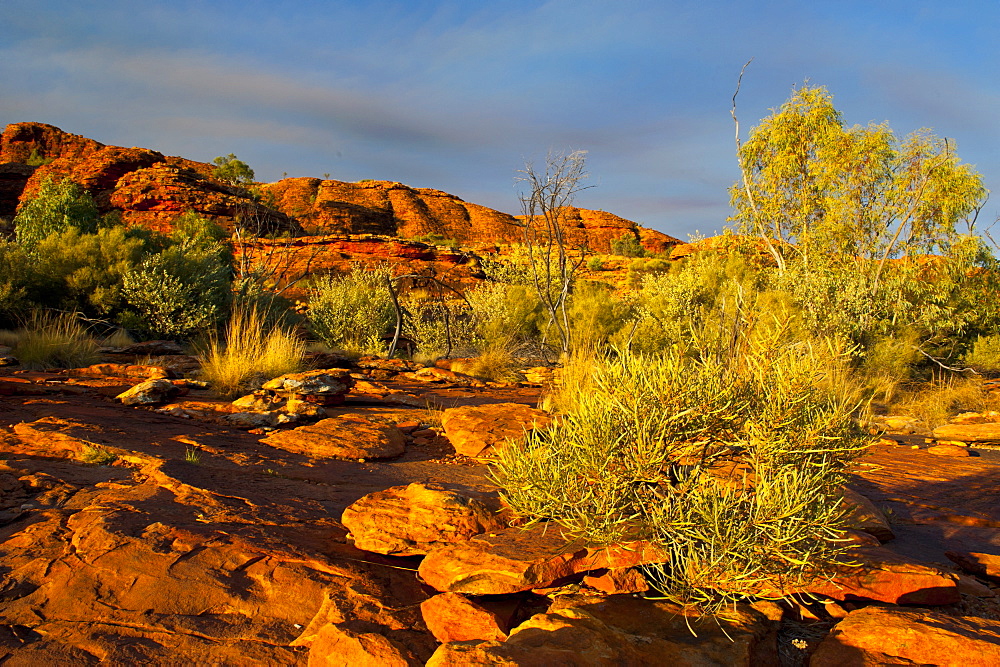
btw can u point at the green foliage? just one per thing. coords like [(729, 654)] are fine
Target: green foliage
[(353, 311), (628, 246), (642, 449), (58, 206), (230, 169), (84, 272), (36, 159), (178, 292), (97, 455), (436, 239), (596, 314), (857, 191), (54, 340), (192, 456), (595, 264), (985, 353)]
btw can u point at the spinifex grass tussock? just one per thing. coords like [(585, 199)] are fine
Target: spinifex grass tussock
[(934, 403), (250, 355), (47, 340), (641, 444)]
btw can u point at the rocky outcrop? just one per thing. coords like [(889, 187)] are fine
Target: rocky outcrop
[(515, 559), (144, 186), (384, 207)]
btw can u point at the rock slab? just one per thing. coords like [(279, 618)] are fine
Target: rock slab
[(482, 429), (893, 636), (345, 437), (413, 519)]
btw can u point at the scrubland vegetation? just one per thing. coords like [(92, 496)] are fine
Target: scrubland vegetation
[(710, 405)]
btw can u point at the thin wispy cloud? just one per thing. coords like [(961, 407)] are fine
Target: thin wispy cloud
[(454, 95)]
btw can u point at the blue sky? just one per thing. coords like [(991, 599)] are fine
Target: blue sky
[(457, 95)]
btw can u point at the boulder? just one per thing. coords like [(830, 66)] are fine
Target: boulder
[(452, 617), (479, 430), (123, 371), (893, 636), (989, 433), (411, 520), (516, 559), (866, 517), (345, 437), (324, 382), (979, 564), (150, 392), (622, 630)]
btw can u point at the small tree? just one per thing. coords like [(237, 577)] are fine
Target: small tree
[(58, 206), (853, 191), (544, 200), (230, 169)]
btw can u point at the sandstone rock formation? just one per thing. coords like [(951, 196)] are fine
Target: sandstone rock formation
[(151, 189), (452, 617)]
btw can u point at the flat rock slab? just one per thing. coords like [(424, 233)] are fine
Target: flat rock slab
[(482, 429), (346, 437), (452, 617), (893, 636), (621, 630), (884, 576), (516, 559), (979, 564), (413, 519), (968, 432)]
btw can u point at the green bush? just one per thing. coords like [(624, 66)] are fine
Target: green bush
[(985, 353), (641, 452), (179, 292), (230, 169), (58, 206), (628, 246), (596, 314), (353, 311)]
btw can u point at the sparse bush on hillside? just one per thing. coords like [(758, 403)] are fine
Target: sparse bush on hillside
[(985, 353), (353, 311), (230, 169), (628, 246)]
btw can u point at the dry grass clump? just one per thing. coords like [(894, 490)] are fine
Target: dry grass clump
[(58, 340), (250, 355), (494, 364), (935, 403), (637, 452)]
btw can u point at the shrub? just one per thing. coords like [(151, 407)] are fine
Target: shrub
[(230, 169), (48, 340), (353, 311), (595, 264), (985, 353), (251, 354), (59, 205), (596, 314), (97, 455), (641, 452), (178, 292), (628, 246)]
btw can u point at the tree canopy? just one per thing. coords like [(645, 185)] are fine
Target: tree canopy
[(811, 181)]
